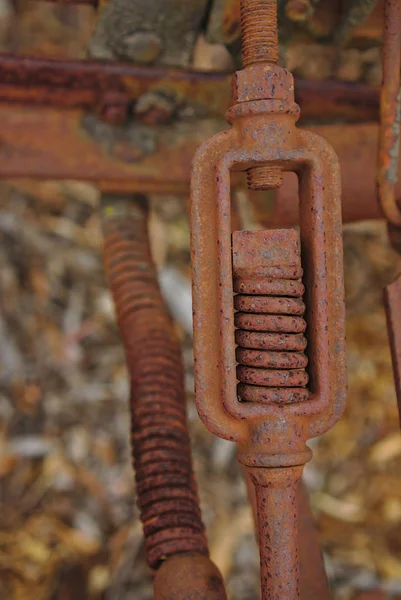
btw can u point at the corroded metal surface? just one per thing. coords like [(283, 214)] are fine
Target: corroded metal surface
[(188, 577), (301, 18), (157, 160), (166, 489), (270, 353), (271, 435), (388, 158), (90, 85), (390, 112), (313, 579)]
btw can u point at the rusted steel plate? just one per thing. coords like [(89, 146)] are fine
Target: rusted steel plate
[(51, 144), (94, 85)]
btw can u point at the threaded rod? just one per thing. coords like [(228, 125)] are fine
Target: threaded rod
[(259, 31)]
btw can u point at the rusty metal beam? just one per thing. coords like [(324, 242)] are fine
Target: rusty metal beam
[(54, 144), (95, 85)]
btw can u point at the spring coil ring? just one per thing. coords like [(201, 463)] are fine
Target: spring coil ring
[(167, 495), (270, 341)]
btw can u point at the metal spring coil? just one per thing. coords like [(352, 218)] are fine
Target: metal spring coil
[(270, 353), (167, 495)]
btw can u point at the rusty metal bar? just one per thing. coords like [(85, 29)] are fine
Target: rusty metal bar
[(387, 177), (91, 85), (390, 112), (52, 144), (86, 84), (313, 579)]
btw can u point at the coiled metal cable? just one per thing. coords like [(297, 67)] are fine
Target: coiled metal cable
[(166, 489)]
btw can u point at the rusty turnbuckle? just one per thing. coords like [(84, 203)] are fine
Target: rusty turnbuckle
[(272, 375)]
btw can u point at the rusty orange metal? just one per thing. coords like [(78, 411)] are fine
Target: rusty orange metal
[(387, 177), (390, 112), (268, 418), (165, 484), (188, 577), (313, 580), (91, 84), (94, 85), (46, 143)]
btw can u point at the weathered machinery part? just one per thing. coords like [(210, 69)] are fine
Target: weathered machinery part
[(160, 31), (157, 160), (298, 19), (165, 93), (390, 114), (187, 577), (313, 578), (387, 173), (223, 26), (166, 489), (258, 274)]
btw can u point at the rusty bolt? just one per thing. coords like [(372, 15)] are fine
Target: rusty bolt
[(260, 45), (259, 32), (143, 47)]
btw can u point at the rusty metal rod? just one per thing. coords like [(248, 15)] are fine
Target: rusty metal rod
[(88, 84), (313, 579), (390, 112), (30, 147), (165, 483), (277, 509)]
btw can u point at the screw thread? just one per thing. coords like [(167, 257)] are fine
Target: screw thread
[(264, 178), (259, 31), (260, 45)]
